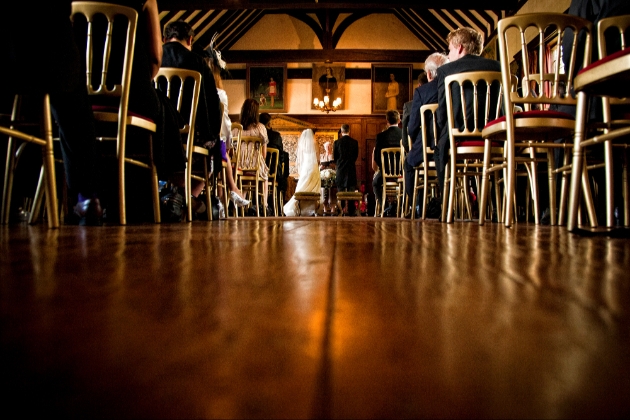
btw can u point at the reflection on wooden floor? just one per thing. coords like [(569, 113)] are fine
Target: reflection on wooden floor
[(335, 318)]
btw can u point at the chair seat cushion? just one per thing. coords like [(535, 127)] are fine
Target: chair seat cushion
[(605, 60), (609, 76), (532, 114)]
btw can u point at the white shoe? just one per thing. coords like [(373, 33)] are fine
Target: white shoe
[(221, 210), (238, 200)]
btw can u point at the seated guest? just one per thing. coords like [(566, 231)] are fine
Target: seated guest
[(389, 138), (424, 95), (465, 46), (177, 52), (65, 81), (275, 141), (249, 119), (217, 65), (422, 79)]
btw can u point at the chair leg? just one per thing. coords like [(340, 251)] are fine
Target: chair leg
[(445, 195), (534, 185), (188, 191), (451, 199), (497, 195), (383, 198), (257, 202), (551, 179), (588, 198), (414, 199), (8, 181), (608, 158), (624, 192), (275, 200), (39, 198), (510, 181), (49, 167), (485, 180), (208, 188), (564, 190), (157, 217), (466, 194), (578, 160)]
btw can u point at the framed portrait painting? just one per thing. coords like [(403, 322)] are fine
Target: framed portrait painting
[(329, 80), (267, 84), (391, 87)]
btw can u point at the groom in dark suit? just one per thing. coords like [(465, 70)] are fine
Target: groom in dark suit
[(465, 46), (346, 152)]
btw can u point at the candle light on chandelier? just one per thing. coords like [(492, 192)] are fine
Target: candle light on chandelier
[(325, 105)]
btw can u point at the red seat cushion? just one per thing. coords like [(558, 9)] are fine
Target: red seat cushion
[(606, 59), (114, 109), (533, 114)]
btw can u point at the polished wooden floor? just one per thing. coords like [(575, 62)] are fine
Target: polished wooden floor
[(314, 318)]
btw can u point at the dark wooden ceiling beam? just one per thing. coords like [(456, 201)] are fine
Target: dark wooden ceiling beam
[(322, 4), (419, 29), (318, 56)]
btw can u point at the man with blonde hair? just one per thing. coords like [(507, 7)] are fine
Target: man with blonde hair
[(465, 45)]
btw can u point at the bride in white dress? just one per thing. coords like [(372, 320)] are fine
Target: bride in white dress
[(308, 172)]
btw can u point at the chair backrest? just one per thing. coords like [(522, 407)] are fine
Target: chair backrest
[(611, 35), (173, 82), (391, 163), (100, 53), (479, 100), (273, 162), (250, 149), (545, 80), (236, 141), (611, 38), (428, 119)]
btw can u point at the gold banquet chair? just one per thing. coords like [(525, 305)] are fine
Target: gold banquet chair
[(401, 199), (236, 172), (250, 179), (174, 89), (117, 114), (467, 146), (425, 175), (14, 131), (609, 78), (537, 126), (391, 169)]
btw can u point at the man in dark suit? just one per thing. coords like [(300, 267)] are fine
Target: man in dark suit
[(346, 152), (275, 141), (464, 45), (389, 138), (424, 95), (177, 52)]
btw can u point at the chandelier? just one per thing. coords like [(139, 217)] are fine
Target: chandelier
[(325, 105)]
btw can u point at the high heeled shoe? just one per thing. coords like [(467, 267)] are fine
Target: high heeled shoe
[(238, 200)]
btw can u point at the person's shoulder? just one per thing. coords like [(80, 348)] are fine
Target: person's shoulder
[(427, 87)]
